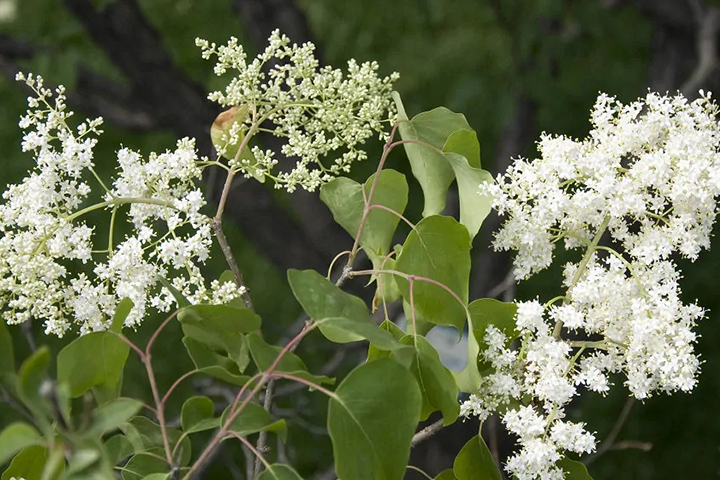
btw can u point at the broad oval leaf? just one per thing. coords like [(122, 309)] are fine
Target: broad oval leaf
[(483, 312), (475, 462), (428, 162), (253, 419), (210, 363), (145, 464), (371, 419), (15, 437), (221, 328), (574, 470), (341, 317), (97, 358), (122, 311), (439, 249), (439, 391), (210, 323), (157, 476), (197, 414), (85, 460), (145, 435), (461, 148), (118, 448), (465, 143), (344, 198), (32, 374), (28, 464), (111, 415), (265, 355), (396, 333)]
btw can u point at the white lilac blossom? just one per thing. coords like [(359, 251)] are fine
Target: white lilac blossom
[(46, 238), (318, 111), (647, 178)]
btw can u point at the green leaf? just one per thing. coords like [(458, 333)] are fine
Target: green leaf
[(179, 298), (483, 312), (475, 462), (145, 435), (33, 372), (439, 249), (371, 419), (55, 462), (221, 328), (198, 415), (341, 317), (210, 363), (121, 313), (210, 323), (465, 143), (574, 470), (436, 381), (118, 448), (97, 358), (28, 464), (463, 155), (265, 355), (446, 475), (144, 464), (344, 198), (253, 419), (111, 415), (15, 437), (157, 476), (387, 288), (428, 163), (396, 333), (279, 471), (81, 460)]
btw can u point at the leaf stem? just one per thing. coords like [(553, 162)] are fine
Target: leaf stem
[(310, 384), (217, 220), (427, 432), (389, 145), (265, 376)]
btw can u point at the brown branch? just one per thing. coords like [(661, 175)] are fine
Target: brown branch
[(427, 432)]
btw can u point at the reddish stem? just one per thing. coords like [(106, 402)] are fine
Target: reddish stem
[(223, 431), (304, 382)]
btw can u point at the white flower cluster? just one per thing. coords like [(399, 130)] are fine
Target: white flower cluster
[(647, 177), (319, 111), (45, 238)]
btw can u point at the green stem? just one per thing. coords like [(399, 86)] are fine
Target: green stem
[(582, 266), (118, 202)]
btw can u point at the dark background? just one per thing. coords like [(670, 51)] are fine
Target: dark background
[(515, 68)]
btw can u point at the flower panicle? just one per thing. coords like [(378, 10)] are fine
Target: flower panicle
[(318, 111), (646, 179)]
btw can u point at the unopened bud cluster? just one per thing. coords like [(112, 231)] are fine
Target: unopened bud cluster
[(322, 115)]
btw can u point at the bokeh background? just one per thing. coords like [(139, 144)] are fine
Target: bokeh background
[(515, 68)]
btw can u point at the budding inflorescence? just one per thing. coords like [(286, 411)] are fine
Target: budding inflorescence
[(319, 112)]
